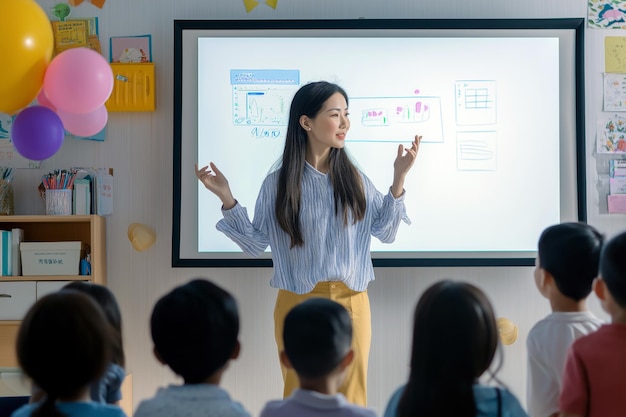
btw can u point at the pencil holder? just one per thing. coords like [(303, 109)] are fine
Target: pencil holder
[(59, 202), (6, 198)]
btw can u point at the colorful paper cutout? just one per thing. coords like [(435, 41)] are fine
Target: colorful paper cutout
[(252, 4), (97, 3)]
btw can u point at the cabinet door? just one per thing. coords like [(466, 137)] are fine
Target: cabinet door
[(47, 287), (15, 299)]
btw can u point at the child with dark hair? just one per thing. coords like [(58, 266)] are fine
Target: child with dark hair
[(455, 339), (567, 264), (594, 374), (195, 331), (63, 344), (108, 388), (317, 335)]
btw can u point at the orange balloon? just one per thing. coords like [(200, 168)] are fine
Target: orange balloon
[(26, 44)]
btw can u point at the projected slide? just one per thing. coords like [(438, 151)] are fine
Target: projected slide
[(393, 119), (487, 109)]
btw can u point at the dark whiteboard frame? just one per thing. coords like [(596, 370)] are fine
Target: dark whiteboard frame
[(568, 24)]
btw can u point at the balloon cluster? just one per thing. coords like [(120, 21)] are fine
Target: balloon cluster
[(71, 89)]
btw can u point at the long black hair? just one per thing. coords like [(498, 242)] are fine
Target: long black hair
[(347, 184), (107, 301), (455, 339)]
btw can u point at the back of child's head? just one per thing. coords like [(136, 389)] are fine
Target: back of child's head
[(570, 252), (613, 268), (455, 339), (195, 329), (63, 346), (317, 335), (107, 302)]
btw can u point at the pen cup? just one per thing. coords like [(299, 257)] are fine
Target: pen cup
[(59, 202)]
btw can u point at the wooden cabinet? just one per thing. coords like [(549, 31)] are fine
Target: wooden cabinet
[(89, 229)]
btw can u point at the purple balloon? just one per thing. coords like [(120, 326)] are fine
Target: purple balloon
[(37, 133)]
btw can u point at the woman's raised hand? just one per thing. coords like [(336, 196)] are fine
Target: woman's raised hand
[(216, 182), (402, 165)]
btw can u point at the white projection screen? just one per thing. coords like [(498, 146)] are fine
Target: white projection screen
[(499, 104)]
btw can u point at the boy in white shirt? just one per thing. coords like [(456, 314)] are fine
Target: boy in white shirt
[(317, 336), (567, 263)]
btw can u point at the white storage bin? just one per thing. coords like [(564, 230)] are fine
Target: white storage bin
[(51, 258), (16, 298)]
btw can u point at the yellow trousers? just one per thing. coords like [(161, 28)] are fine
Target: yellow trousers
[(358, 305)]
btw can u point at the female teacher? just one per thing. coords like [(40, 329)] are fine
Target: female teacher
[(317, 213)]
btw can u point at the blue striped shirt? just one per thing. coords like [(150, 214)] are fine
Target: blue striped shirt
[(332, 251)]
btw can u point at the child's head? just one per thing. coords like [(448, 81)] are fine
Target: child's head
[(570, 254), (107, 302), (613, 268), (194, 330), (317, 335), (62, 345), (455, 339)]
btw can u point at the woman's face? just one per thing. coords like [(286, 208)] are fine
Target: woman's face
[(329, 127)]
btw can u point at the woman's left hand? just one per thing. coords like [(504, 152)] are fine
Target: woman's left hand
[(404, 161), (402, 165)]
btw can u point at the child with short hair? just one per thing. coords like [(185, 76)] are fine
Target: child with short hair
[(455, 339), (567, 263), (594, 374), (63, 344), (317, 336), (195, 331)]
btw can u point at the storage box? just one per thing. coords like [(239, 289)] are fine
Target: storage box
[(51, 258)]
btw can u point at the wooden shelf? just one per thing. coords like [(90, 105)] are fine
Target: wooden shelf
[(46, 278), (89, 229)]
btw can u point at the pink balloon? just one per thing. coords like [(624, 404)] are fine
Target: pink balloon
[(78, 80), (84, 124), (43, 100)]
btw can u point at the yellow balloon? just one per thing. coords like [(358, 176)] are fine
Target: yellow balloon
[(141, 236), (26, 44)]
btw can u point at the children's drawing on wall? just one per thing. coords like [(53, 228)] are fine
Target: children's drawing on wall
[(611, 135), (9, 157), (606, 14), (476, 151), (615, 54), (475, 102), (614, 92)]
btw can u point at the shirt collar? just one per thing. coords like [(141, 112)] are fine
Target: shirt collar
[(317, 400)]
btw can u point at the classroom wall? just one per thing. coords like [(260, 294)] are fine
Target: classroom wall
[(139, 148)]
